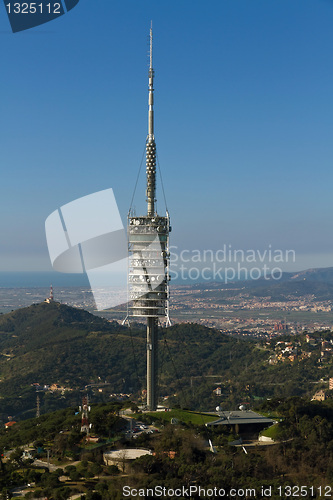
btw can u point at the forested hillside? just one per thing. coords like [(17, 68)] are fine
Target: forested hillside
[(299, 461), (49, 344)]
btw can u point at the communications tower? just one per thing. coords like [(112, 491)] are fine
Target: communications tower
[(50, 298), (38, 407), (85, 409), (148, 244)]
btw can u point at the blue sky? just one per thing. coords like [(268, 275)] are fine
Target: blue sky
[(244, 121)]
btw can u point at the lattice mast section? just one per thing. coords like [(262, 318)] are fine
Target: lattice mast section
[(148, 240), (85, 409)]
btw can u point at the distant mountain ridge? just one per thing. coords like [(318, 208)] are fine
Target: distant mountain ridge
[(324, 274), (317, 281)]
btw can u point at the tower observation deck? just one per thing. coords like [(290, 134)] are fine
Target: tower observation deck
[(148, 245)]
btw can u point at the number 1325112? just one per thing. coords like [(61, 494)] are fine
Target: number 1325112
[(34, 8)]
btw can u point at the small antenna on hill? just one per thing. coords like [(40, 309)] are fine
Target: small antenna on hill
[(38, 407), (50, 298)]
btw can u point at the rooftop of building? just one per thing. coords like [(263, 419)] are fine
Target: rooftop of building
[(240, 417)]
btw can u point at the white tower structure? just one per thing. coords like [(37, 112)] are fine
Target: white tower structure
[(148, 243)]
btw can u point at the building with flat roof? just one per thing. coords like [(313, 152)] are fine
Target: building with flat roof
[(242, 421)]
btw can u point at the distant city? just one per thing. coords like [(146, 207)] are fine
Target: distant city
[(236, 312), (232, 311)]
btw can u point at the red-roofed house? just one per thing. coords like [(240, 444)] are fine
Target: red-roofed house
[(10, 424)]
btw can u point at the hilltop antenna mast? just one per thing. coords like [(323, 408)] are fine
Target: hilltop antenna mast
[(50, 298), (148, 243), (38, 407), (85, 409)]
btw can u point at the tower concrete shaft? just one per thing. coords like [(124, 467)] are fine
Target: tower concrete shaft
[(152, 363)]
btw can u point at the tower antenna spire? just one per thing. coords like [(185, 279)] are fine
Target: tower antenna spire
[(150, 144), (151, 86)]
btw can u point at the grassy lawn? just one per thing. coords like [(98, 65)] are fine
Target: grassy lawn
[(93, 446), (185, 416), (272, 432)]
